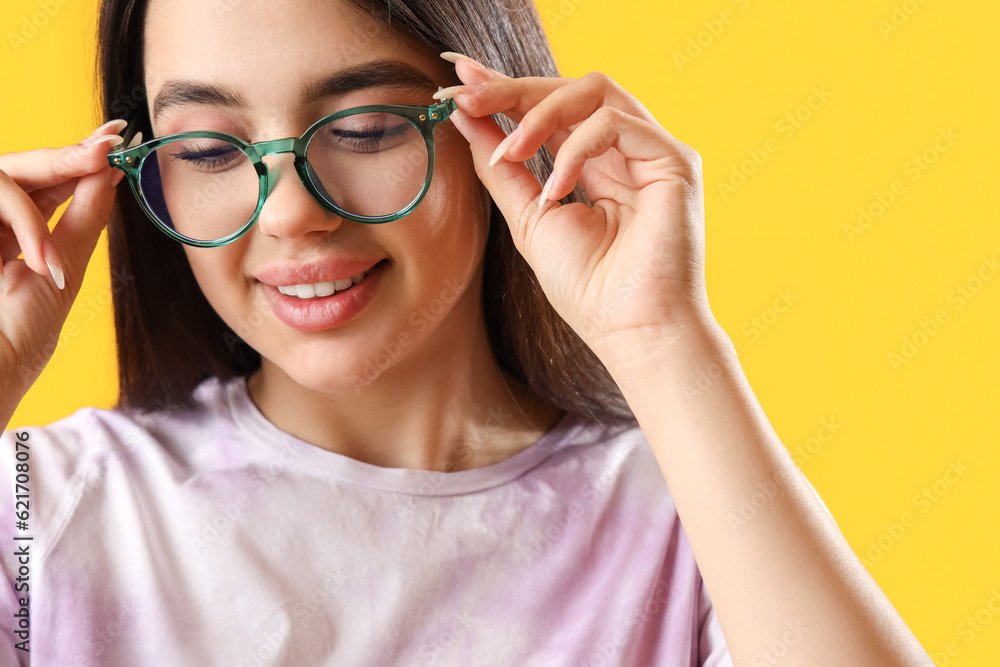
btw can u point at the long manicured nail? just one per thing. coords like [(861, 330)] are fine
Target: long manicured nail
[(451, 91), (136, 140), (451, 56), (54, 263), (112, 139), (118, 124), (504, 145), (545, 190)]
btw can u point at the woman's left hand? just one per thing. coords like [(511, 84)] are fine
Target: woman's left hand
[(633, 261)]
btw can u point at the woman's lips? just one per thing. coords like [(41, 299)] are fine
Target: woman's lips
[(324, 312)]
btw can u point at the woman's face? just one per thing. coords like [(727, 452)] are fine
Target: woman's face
[(424, 292)]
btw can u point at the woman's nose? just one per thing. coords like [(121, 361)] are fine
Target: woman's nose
[(289, 210)]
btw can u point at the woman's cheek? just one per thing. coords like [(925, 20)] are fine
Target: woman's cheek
[(225, 285)]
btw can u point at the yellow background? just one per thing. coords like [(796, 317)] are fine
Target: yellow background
[(896, 74)]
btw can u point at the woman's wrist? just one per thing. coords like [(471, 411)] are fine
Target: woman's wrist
[(690, 341)]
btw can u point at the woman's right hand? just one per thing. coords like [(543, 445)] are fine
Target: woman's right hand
[(36, 292)]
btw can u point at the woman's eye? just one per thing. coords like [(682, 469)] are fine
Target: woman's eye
[(368, 138), (208, 158)]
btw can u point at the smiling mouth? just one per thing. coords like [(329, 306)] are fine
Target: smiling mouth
[(316, 290)]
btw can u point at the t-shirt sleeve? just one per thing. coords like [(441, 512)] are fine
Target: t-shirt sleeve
[(712, 649)]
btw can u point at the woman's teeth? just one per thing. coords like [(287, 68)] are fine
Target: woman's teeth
[(308, 291)]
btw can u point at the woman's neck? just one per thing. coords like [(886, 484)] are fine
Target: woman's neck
[(445, 406)]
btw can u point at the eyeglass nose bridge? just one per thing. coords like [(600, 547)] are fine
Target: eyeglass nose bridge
[(295, 145)]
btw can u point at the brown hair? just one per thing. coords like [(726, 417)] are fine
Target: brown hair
[(169, 337)]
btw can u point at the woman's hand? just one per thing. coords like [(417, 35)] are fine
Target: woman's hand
[(631, 263), (36, 292)]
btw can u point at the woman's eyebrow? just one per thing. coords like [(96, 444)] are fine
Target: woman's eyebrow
[(389, 74)]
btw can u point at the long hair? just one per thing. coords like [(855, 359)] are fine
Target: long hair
[(169, 338)]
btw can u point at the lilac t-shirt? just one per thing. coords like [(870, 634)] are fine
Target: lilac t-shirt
[(213, 537)]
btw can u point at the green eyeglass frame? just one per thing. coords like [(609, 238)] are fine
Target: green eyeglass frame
[(424, 118)]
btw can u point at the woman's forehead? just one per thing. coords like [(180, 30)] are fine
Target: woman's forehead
[(288, 48)]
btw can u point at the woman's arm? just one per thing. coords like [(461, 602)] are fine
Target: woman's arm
[(785, 584), (627, 273)]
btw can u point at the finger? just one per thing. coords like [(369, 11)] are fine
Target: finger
[(484, 94), (486, 90), (9, 249), (20, 214), (646, 153), (75, 235), (561, 102), (568, 106), (46, 167), (49, 199), (516, 96), (513, 187)]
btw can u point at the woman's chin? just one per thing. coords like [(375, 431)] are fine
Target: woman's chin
[(327, 378)]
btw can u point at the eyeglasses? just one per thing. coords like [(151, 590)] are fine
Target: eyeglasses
[(370, 164)]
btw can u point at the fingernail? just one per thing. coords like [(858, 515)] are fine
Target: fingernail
[(53, 262), (118, 124), (112, 139), (136, 140), (451, 91), (504, 145), (545, 190), (451, 56)]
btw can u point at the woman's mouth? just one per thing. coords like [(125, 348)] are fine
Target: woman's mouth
[(320, 306), (313, 290)]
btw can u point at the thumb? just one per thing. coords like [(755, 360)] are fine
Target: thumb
[(513, 187), (77, 231)]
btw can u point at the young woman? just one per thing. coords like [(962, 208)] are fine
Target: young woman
[(466, 435)]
